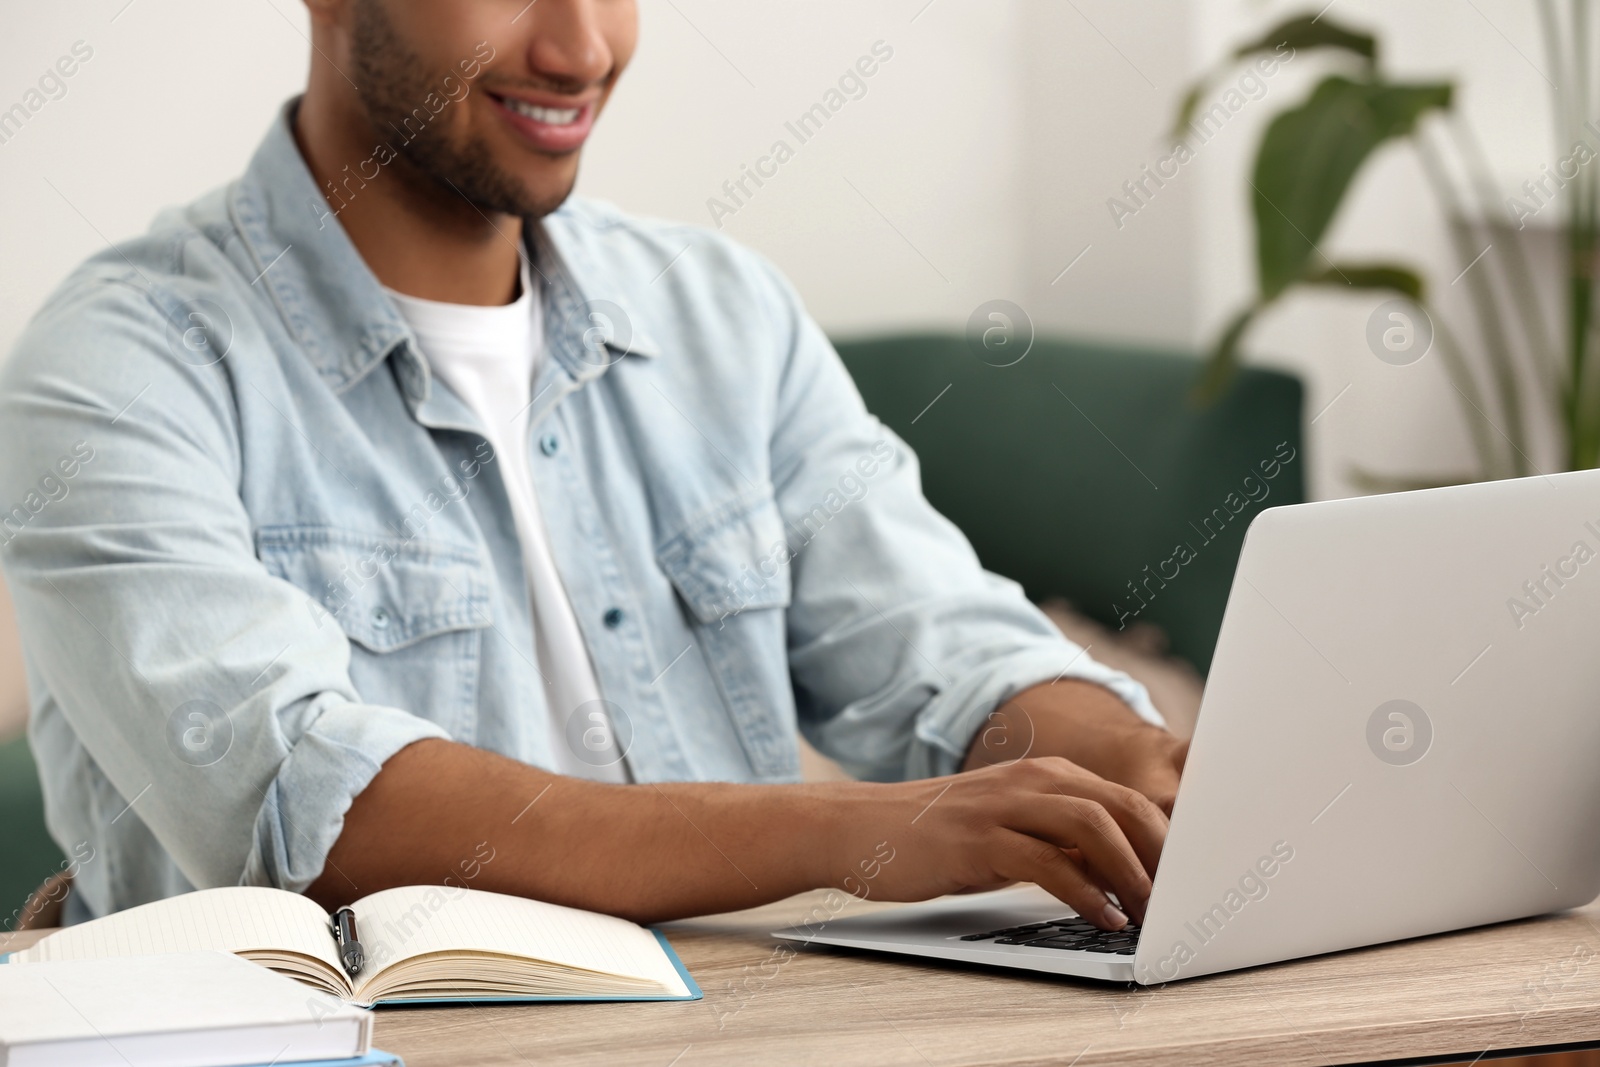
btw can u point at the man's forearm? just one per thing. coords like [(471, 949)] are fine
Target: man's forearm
[(441, 812), (645, 852)]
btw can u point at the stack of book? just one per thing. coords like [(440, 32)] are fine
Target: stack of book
[(181, 1009)]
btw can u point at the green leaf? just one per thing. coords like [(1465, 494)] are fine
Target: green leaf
[(1190, 104), (1312, 31), (1223, 359), (1309, 157), (1403, 280), (1301, 31)]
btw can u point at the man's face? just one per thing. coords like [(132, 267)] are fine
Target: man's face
[(492, 97)]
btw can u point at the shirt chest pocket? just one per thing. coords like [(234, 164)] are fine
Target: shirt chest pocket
[(730, 568), (414, 611), (732, 560)]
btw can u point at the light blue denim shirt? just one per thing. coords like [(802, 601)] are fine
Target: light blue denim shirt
[(256, 549)]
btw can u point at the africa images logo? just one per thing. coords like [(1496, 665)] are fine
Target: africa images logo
[(1399, 732)]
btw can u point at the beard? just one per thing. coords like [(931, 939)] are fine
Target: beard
[(392, 82)]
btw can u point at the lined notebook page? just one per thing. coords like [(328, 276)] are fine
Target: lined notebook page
[(398, 924), (230, 919)]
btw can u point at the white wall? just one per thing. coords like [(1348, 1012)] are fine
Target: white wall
[(172, 103), (1100, 79), (988, 142), (932, 152)]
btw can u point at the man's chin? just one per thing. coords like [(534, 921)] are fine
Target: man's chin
[(548, 202), (503, 198), (532, 198)]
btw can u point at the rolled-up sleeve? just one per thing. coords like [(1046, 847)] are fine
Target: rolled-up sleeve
[(947, 724), (332, 759), (901, 644), (210, 694)]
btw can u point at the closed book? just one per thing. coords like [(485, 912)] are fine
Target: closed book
[(181, 1009)]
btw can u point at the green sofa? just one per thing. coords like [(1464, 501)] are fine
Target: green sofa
[(1080, 470), (27, 854), (1072, 471)]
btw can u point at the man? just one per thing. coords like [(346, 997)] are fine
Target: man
[(388, 510)]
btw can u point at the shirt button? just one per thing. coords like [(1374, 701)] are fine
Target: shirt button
[(613, 618), (380, 617), (550, 444)]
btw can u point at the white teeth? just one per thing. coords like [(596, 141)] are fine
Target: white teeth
[(550, 116)]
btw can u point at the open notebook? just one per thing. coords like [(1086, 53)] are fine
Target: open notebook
[(422, 943)]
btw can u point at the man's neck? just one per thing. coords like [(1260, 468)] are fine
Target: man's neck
[(420, 238)]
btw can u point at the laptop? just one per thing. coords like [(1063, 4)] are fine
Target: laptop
[(1399, 736)]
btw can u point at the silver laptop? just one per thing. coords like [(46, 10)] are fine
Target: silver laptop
[(1400, 735)]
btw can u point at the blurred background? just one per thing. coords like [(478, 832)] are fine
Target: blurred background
[(981, 163)]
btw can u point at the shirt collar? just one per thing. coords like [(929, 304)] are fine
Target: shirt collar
[(337, 310), (590, 324)]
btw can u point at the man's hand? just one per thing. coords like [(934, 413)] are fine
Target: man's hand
[(1042, 820), (1089, 725)]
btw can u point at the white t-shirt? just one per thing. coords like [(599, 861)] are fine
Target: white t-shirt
[(489, 357)]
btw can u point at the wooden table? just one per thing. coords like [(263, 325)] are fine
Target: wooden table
[(1520, 986)]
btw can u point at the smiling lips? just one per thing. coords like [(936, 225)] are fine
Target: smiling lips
[(545, 127)]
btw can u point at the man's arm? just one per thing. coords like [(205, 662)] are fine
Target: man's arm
[(656, 852)]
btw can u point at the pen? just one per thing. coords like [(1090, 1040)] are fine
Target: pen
[(344, 934)]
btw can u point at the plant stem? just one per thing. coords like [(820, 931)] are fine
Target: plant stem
[(1491, 462), (1579, 200), (1485, 303), (1548, 364)]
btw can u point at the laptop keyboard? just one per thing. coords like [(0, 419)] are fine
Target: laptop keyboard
[(1072, 933)]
